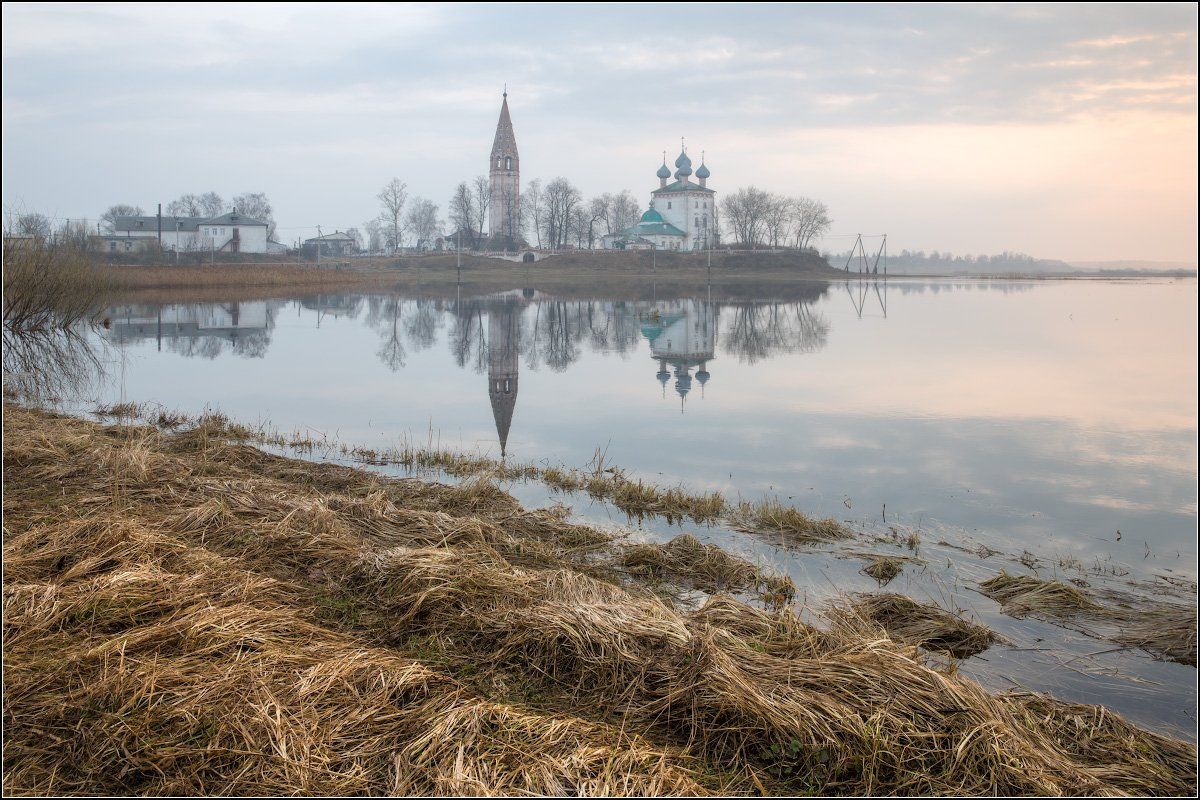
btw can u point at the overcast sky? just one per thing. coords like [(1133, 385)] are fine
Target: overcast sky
[(1062, 131)]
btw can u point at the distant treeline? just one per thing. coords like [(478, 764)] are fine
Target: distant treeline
[(908, 262)]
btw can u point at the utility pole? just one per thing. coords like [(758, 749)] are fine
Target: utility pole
[(319, 236), (458, 253), (160, 226)]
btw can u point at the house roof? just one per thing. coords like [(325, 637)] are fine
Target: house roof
[(336, 236), (233, 218), (150, 224), (680, 186), (187, 224)]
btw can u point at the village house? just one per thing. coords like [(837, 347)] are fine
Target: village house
[(331, 244), (226, 233)]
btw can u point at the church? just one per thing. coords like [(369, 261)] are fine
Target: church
[(681, 215), (504, 173)]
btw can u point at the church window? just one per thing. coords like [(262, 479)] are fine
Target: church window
[(668, 204), (508, 162)]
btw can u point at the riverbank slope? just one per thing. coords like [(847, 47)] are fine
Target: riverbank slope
[(188, 614)]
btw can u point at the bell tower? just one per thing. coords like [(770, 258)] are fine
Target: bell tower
[(504, 170)]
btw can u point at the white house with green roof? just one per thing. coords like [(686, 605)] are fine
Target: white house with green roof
[(681, 214)]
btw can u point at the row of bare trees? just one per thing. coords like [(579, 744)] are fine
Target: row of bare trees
[(757, 218)]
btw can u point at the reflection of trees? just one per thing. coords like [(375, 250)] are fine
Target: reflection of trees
[(467, 344), (383, 314), (53, 363), (761, 330), (402, 324), (555, 335)]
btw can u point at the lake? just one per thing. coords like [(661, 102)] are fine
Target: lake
[(1054, 418)]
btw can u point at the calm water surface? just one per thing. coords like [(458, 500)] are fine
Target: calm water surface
[(1057, 417)]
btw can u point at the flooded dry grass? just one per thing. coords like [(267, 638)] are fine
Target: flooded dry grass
[(920, 624), (185, 614)]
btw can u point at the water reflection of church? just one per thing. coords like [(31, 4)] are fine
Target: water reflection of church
[(683, 336)]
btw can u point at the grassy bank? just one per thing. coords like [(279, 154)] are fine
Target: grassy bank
[(629, 275), (186, 614)]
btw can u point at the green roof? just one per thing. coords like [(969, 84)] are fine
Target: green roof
[(653, 229), (680, 186)]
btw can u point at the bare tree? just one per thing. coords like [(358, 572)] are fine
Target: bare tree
[(534, 203), (423, 221), (391, 198), (211, 204), (256, 206), (745, 210), (481, 193), (777, 218), (187, 205), (624, 211), (356, 235), (374, 229), (462, 213), (810, 220), (562, 200), (109, 217)]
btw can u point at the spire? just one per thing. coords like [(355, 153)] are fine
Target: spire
[(505, 143)]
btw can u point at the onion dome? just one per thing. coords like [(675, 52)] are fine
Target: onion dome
[(703, 172), (663, 172), (684, 166), (651, 216)]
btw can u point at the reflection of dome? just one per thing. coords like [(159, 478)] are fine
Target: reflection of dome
[(651, 216), (663, 376), (651, 332), (527, 293), (702, 376), (703, 172)]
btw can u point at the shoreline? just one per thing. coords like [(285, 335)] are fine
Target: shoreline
[(153, 569)]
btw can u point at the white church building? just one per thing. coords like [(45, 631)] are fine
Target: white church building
[(681, 214)]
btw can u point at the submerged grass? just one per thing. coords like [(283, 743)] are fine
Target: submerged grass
[(1168, 632), (921, 624), (185, 614), (770, 516), (883, 568), (1021, 595)]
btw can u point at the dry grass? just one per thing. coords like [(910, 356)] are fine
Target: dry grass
[(1168, 632), (883, 569), (769, 516), (689, 562), (188, 615), (1022, 595), (923, 625)]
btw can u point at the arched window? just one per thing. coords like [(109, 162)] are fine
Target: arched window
[(508, 162), (498, 162)]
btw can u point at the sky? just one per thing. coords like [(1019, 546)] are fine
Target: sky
[(1062, 131)]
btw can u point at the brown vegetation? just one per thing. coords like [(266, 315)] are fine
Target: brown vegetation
[(921, 624), (188, 615), (883, 569), (1021, 595)]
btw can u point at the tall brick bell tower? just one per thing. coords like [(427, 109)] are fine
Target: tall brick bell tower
[(505, 171)]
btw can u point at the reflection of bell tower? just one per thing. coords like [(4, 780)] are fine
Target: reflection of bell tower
[(504, 340)]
